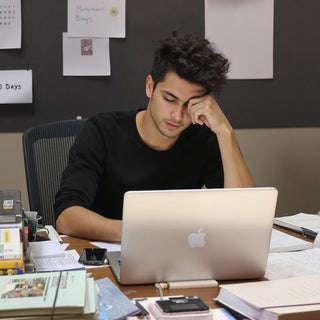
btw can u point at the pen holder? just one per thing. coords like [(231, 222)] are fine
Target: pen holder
[(31, 219)]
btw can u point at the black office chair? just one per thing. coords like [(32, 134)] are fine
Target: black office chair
[(46, 150)]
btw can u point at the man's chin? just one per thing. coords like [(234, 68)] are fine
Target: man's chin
[(171, 134)]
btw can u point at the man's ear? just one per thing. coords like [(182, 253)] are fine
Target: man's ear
[(149, 86)]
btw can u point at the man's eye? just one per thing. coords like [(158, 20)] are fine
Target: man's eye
[(168, 99)]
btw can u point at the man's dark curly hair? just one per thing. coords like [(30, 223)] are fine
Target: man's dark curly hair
[(193, 59)]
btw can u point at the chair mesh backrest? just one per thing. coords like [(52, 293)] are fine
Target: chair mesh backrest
[(46, 151)]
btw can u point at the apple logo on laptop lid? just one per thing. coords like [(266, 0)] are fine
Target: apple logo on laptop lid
[(197, 239)]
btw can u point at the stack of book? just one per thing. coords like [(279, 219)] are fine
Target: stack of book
[(58, 295), (288, 299), (12, 233)]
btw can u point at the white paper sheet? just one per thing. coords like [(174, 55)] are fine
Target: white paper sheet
[(86, 56), (110, 246), (10, 24), (293, 264), (243, 32), (15, 86), (96, 18), (282, 242), (46, 249)]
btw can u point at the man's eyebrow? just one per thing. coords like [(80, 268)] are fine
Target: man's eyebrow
[(170, 94), (175, 97)]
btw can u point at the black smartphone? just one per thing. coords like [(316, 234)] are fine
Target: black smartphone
[(93, 256), (182, 304)]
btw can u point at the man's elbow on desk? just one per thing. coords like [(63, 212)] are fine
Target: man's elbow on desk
[(65, 221), (76, 221), (81, 222)]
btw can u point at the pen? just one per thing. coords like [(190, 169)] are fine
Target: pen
[(143, 312), (188, 284), (307, 233)]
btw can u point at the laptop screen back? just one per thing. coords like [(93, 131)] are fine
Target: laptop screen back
[(177, 235)]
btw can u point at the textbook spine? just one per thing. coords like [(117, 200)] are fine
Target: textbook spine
[(11, 271)]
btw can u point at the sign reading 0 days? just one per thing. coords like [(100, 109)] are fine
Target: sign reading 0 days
[(15, 86)]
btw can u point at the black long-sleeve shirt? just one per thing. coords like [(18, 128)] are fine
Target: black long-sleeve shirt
[(109, 158)]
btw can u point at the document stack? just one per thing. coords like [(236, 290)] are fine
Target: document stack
[(12, 233), (288, 299)]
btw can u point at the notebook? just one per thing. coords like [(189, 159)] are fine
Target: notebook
[(174, 235)]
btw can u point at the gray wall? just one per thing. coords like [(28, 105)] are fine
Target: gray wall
[(291, 99), (286, 158)]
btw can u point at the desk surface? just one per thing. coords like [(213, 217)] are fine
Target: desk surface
[(136, 291)]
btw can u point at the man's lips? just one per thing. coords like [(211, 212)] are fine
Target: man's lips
[(172, 125)]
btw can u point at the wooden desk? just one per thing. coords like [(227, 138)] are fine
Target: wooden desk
[(136, 291)]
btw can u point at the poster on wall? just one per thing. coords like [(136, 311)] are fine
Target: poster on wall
[(10, 24), (243, 32), (15, 86)]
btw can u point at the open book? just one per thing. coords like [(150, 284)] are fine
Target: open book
[(61, 293), (290, 298)]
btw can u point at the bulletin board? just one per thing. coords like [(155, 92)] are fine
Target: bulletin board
[(290, 99)]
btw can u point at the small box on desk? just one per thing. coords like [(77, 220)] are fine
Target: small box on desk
[(10, 209)]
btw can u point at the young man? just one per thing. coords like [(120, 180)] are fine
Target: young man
[(182, 140)]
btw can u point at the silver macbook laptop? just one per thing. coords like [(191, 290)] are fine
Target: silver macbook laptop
[(174, 235)]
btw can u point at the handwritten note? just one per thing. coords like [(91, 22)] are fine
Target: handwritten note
[(96, 18)]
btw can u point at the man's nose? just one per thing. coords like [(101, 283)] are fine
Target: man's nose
[(178, 112)]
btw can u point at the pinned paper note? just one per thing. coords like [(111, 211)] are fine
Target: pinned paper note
[(16, 86), (96, 18), (85, 56), (10, 24), (243, 32)]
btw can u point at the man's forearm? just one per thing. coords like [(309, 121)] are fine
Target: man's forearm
[(236, 172), (83, 223)]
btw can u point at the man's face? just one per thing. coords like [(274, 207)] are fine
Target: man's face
[(168, 104)]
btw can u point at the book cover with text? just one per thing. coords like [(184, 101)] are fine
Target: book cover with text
[(39, 293), (10, 244)]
